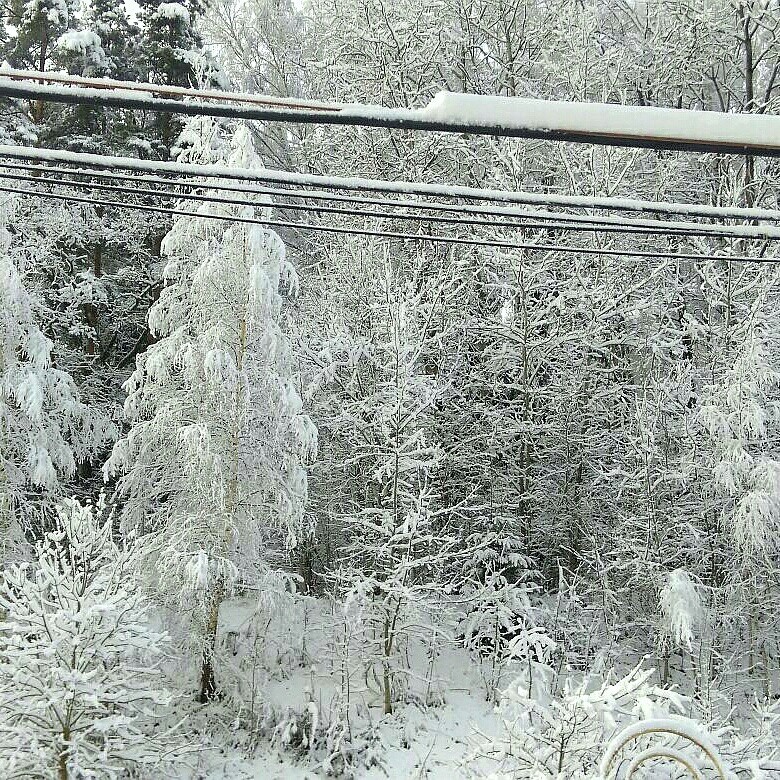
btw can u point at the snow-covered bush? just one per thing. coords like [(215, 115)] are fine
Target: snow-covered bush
[(79, 662), (550, 735), (681, 608), (500, 626), (682, 618)]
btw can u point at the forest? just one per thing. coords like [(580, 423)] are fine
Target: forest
[(289, 492)]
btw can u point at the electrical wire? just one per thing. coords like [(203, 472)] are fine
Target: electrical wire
[(404, 188), (423, 237), (566, 221), (163, 89), (604, 124), (714, 231)]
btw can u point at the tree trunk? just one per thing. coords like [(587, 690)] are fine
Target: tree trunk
[(39, 105), (386, 681), (208, 684), (62, 760)]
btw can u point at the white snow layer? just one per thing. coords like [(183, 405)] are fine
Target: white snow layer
[(172, 12), (609, 119), (80, 41)]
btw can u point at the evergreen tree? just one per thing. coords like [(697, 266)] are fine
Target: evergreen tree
[(119, 38), (45, 428), (38, 26), (171, 54)]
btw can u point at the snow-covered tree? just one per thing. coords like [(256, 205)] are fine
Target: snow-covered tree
[(118, 37), (45, 428), (80, 683), (742, 414), (170, 53), (213, 463), (396, 541)]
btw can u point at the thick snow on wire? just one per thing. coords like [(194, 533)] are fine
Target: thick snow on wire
[(603, 123)]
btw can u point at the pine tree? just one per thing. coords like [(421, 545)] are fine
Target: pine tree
[(119, 38), (38, 26)]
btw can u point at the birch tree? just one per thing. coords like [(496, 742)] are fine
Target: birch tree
[(216, 395)]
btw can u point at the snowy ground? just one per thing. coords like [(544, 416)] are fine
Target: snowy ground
[(416, 741)]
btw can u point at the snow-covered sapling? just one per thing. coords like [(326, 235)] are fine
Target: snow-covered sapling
[(79, 661), (682, 612)]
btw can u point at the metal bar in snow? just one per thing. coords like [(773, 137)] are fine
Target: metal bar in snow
[(593, 123)]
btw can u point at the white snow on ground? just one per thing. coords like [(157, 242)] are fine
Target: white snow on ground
[(416, 741)]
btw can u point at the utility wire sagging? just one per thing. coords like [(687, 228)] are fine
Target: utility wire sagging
[(403, 188), (593, 123), (548, 221), (563, 249)]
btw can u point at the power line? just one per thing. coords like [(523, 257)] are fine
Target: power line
[(570, 221), (423, 237), (592, 123), (403, 188), (714, 231), (163, 89)]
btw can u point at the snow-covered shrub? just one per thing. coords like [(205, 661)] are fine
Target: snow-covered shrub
[(298, 730), (681, 608), (501, 625), (682, 621), (79, 663), (548, 736)]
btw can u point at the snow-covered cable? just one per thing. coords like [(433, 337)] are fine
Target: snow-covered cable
[(423, 237), (592, 123), (357, 184), (645, 227)]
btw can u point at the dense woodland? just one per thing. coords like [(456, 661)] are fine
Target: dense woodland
[(383, 472)]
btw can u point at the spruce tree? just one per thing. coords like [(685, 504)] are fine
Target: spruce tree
[(171, 54), (45, 428)]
